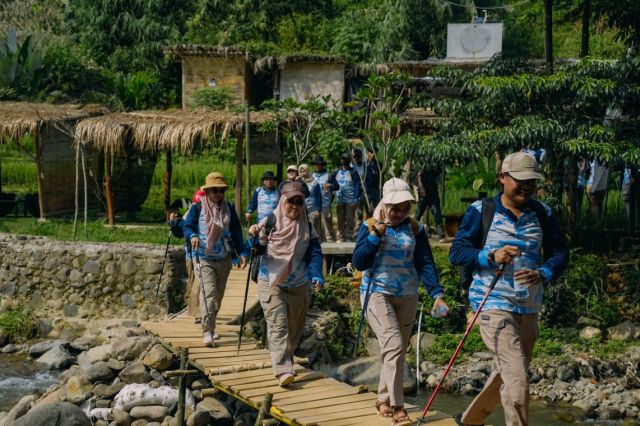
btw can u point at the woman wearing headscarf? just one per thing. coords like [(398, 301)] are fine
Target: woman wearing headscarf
[(393, 252), (291, 264), (213, 228), (314, 200)]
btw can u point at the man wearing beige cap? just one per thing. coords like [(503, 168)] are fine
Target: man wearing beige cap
[(512, 229)]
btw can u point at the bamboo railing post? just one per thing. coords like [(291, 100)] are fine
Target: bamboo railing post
[(247, 126), (40, 174), (238, 189), (86, 194), (264, 409), (167, 184), (182, 386), (107, 188)]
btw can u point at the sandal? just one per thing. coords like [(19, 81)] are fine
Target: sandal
[(400, 417), (384, 409)]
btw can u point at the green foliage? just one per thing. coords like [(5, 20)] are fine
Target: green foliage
[(445, 345), (215, 98), (18, 324), (19, 63)]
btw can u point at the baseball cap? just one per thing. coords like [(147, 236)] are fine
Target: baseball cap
[(291, 189), (396, 191), (292, 167), (521, 166)]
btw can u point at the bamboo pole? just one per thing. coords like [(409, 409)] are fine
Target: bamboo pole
[(182, 387), (238, 189), (40, 176), (86, 195), (167, 183), (264, 409), (77, 195), (107, 188), (247, 127)]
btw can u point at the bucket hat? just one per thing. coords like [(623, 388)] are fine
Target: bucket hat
[(214, 180), (268, 175), (319, 160)]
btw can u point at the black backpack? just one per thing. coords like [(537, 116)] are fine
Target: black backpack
[(488, 211)]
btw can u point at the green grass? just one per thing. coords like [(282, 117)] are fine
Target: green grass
[(17, 324)]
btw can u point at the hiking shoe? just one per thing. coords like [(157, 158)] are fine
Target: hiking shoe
[(458, 419), (215, 336), (208, 339), (285, 379)]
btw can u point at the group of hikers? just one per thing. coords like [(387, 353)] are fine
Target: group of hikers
[(392, 250)]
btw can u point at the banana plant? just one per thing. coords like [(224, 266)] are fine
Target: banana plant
[(19, 62)]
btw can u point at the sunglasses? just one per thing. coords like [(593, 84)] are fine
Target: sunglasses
[(520, 182), (216, 190), (296, 202)]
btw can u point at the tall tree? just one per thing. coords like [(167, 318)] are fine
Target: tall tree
[(586, 21)]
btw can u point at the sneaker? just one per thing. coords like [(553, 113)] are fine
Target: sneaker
[(285, 379), (208, 339), (215, 336)]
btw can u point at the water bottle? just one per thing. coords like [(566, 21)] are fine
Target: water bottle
[(439, 311), (520, 288)]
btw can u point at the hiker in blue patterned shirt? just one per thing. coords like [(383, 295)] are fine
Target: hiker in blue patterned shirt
[(264, 199), (347, 197), (519, 226), (393, 251), (328, 186)]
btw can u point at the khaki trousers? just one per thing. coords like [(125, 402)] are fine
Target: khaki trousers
[(329, 234), (285, 311), (391, 319), (346, 221), (214, 274), (511, 338)]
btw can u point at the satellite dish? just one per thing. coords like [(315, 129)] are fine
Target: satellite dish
[(475, 39)]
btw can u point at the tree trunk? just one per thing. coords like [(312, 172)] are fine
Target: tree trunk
[(586, 19), (548, 34)]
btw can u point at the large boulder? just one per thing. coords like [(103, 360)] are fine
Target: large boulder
[(95, 354), (42, 347), (590, 332), (624, 331), (18, 410), (56, 358), (77, 389), (58, 414), (135, 372), (218, 411), (130, 348), (426, 341), (135, 395), (100, 371), (159, 358), (366, 371)]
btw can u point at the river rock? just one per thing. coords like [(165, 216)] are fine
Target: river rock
[(589, 332), (588, 405), (159, 358), (149, 412), (483, 356), (115, 364), (99, 371), (18, 410), (129, 348), (113, 389), (42, 347), (121, 417), (99, 353), (199, 418), (219, 412), (426, 341), (77, 389), (136, 394), (56, 358), (565, 373), (609, 413), (624, 331), (135, 372), (84, 343), (57, 414)]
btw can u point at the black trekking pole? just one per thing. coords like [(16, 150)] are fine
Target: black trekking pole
[(244, 304), (164, 260), (204, 293), (494, 281)]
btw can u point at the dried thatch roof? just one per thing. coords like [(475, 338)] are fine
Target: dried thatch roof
[(152, 131), (270, 62), (181, 50), (24, 118)]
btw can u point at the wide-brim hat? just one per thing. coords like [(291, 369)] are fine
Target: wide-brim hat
[(319, 160), (268, 175), (396, 191), (214, 180), (291, 189), (521, 166)]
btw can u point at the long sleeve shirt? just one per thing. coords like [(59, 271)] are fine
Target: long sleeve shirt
[(196, 226), (264, 200), (323, 178), (524, 232), (397, 262), (349, 181)]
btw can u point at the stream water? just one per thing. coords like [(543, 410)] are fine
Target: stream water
[(20, 376)]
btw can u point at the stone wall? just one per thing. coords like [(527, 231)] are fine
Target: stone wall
[(89, 280), (302, 80)]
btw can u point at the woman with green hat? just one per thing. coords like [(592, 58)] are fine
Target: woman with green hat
[(215, 233)]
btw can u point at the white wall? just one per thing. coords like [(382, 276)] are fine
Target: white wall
[(473, 42), (301, 80)]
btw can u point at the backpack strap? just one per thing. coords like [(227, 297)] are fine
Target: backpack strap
[(541, 213), (488, 211)]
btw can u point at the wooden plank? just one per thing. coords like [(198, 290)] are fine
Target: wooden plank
[(347, 407), (371, 420), (207, 363), (286, 406), (336, 416), (225, 354), (292, 387), (222, 377), (317, 396), (272, 382)]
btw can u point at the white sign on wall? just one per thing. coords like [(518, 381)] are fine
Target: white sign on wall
[(473, 42)]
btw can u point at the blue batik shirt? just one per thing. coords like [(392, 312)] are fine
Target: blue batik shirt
[(349, 192), (265, 201), (327, 194)]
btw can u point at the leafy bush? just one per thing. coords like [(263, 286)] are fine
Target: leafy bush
[(216, 98)]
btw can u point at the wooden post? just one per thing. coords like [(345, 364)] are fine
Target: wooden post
[(238, 189), (548, 35), (586, 20), (107, 188), (86, 194), (40, 176), (77, 196), (264, 409), (182, 386), (167, 184), (247, 129)]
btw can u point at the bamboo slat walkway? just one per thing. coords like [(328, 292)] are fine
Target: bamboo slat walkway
[(313, 399)]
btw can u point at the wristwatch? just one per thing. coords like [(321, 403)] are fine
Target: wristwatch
[(492, 256)]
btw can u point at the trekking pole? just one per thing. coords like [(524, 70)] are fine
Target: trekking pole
[(494, 281), (418, 351), (244, 304), (204, 293), (164, 260)]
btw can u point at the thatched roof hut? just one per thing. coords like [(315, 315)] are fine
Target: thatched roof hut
[(51, 127)]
